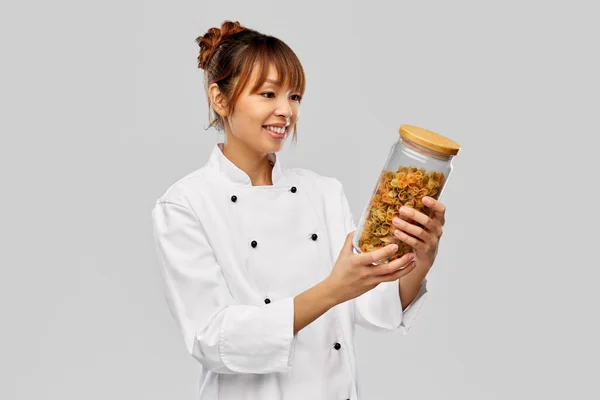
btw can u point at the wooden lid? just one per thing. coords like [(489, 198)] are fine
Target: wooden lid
[(430, 140)]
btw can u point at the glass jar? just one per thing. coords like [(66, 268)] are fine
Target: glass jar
[(419, 164)]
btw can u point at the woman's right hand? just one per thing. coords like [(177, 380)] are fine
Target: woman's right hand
[(355, 274)]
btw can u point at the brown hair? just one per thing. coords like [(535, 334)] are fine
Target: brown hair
[(229, 54)]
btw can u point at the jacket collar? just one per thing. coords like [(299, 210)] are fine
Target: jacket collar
[(218, 161)]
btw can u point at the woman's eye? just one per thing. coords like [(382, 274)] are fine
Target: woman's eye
[(296, 97)]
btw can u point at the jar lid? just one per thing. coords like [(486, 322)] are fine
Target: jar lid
[(430, 140)]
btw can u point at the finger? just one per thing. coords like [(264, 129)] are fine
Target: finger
[(428, 223), (438, 209), (348, 247), (413, 230), (377, 255), (409, 240), (395, 265), (398, 274)]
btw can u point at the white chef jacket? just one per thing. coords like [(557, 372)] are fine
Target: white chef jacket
[(233, 256)]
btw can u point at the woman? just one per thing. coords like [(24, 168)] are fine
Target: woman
[(257, 259)]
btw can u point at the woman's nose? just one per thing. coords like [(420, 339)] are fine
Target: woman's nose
[(284, 109)]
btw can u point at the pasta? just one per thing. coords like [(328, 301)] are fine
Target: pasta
[(405, 187)]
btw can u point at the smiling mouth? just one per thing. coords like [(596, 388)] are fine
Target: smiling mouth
[(275, 135), (276, 130)]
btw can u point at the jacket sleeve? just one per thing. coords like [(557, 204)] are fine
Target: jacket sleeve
[(223, 335), (380, 309)]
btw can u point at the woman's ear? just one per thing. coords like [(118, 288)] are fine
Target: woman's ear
[(217, 100)]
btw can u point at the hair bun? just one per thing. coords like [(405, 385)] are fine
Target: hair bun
[(211, 40)]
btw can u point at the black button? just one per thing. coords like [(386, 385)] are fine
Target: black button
[(253, 244), (337, 346), (314, 236), (293, 189), (234, 198), (267, 301)]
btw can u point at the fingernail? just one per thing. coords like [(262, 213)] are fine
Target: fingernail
[(411, 257), (394, 247)]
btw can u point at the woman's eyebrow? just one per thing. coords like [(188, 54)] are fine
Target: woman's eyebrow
[(276, 83), (272, 81)]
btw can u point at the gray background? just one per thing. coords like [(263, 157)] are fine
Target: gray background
[(103, 108)]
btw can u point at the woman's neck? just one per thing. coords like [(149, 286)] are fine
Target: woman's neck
[(255, 165)]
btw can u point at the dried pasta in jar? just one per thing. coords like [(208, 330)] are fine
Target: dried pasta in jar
[(404, 187), (418, 165)]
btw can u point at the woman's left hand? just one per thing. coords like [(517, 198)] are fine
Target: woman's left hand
[(425, 241)]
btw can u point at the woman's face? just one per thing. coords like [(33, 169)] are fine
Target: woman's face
[(271, 105)]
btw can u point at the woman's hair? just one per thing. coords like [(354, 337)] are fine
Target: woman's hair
[(228, 56)]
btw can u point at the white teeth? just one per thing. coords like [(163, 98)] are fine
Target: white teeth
[(275, 129)]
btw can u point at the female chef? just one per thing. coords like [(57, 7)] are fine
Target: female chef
[(257, 258)]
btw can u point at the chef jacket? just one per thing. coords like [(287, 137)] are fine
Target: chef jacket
[(233, 256)]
